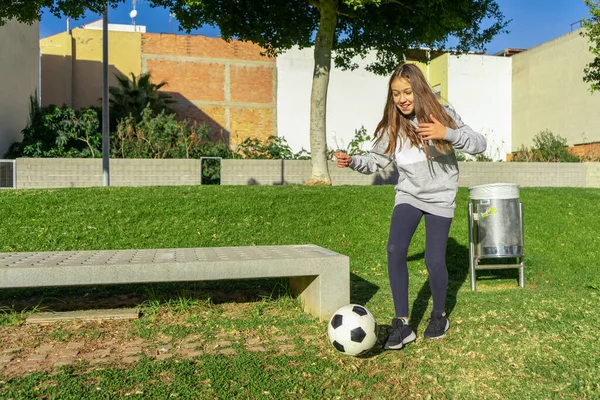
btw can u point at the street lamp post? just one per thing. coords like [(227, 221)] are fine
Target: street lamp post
[(105, 110)]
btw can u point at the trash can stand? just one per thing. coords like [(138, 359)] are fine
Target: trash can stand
[(475, 256)]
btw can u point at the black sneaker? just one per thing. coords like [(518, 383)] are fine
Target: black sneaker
[(438, 325), (401, 334)]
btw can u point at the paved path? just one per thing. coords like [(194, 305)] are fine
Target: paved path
[(49, 357)]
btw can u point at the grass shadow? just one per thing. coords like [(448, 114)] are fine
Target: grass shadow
[(361, 290), (457, 263), (487, 275), (99, 297), (77, 298)]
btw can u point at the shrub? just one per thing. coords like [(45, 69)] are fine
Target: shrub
[(360, 138), (355, 147), (163, 136), (54, 131), (547, 147), (275, 147), (482, 157)]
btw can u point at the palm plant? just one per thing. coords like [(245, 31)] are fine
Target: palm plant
[(132, 96)]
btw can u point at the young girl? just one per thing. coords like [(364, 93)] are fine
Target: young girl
[(420, 136)]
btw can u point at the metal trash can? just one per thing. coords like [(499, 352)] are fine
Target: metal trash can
[(495, 227)]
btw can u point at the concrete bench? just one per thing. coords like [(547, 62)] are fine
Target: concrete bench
[(319, 276)]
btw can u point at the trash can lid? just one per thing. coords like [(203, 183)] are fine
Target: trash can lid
[(494, 191)]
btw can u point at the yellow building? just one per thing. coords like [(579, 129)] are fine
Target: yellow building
[(434, 66), (72, 65)]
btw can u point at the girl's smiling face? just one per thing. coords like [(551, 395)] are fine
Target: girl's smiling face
[(403, 96)]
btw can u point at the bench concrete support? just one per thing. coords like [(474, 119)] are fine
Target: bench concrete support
[(320, 277)]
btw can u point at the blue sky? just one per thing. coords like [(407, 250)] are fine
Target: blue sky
[(533, 21)]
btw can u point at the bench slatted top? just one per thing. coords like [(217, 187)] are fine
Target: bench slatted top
[(61, 268), (320, 277)]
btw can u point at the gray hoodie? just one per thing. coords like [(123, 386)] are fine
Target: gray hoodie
[(429, 185)]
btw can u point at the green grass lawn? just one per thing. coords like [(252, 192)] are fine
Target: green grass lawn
[(537, 342)]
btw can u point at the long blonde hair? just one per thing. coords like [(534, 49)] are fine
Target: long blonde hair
[(397, 125)]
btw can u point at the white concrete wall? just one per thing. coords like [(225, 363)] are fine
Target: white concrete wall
[(19, 78), (479, 89), (355, 98)]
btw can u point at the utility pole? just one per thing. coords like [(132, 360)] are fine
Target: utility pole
[(105, 110)]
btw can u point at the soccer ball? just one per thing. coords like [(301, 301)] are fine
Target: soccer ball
[(352, 330)]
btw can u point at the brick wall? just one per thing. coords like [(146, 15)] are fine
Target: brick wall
[(227, 85), (590, 151), (587, 152)]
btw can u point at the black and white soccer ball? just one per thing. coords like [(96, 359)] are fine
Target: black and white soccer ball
[(352, 330)]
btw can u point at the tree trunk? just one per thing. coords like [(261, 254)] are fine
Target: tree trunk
[(318, 99)]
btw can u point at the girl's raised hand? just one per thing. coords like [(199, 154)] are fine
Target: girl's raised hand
[(432, 130), (343, 159)]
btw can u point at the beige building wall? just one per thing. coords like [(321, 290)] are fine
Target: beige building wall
[(72, 65), (19, 77), (549, 93)]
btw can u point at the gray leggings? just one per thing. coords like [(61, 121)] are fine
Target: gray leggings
[(405, 220)]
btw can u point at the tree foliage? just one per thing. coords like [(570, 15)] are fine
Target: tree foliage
[(28, 11), (592, 32), (389, 27)]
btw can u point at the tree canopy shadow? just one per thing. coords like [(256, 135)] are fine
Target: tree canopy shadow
[(187, 109), (98, 297)]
